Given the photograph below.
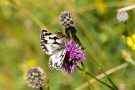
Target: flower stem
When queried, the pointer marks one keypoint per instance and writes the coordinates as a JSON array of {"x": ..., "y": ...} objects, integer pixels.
[
  {"x": 101, "y": 68},
  {"x": 112, "y": 83},
  {"x": 41, "y": 88},
  {"x": 87, "y": 73},
  {"x": 128, "y": 29}
]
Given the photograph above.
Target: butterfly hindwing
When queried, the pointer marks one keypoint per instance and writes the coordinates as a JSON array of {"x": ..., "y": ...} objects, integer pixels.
[{"x": 56, "y": 60}]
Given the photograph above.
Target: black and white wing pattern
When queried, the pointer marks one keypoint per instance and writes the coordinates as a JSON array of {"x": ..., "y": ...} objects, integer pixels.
[
  {"x": 52, "y": 45},
  {"x": 50, "y": 42},
  {"x": 56, "y": 60}
]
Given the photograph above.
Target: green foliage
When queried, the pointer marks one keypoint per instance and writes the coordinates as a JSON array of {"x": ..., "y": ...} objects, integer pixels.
[{"x": 98, "y": 30}]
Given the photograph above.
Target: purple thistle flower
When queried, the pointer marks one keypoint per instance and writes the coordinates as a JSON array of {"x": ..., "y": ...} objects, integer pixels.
[{"x": 74, "y": 54}]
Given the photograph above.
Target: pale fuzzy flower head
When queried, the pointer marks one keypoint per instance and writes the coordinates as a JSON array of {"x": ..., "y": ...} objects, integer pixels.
[
  {"x": 66, "y": 19},
  {"x": 127, "y": 56},
  {"x": 35, "y": 77},
  {"x": 122, "y": 16}
]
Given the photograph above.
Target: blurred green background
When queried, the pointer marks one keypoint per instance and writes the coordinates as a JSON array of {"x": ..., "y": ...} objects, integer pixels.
[{"x": 98, "y": 30}]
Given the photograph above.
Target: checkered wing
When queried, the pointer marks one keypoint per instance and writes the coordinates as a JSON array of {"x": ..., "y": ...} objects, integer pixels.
[
  {"x": 49, "y": 42},
  {"x": 56, "y": 60},
  {"x": 52, "y": 45}
]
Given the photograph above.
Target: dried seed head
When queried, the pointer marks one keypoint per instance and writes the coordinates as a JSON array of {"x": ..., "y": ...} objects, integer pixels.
[
  {"x": 122, "y": 16},
  {"x": 66, "y": 19},
  {"x": 35, "y": 77}
]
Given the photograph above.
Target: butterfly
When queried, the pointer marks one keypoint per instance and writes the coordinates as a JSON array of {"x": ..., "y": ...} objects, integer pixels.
[{"x": 53, "y": 45}]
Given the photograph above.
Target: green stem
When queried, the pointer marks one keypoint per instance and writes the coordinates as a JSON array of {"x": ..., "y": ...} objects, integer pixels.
[
  {"x": 101, "y": 68},
  {"x": 112, "y": 83},
  {"x": 87, "y": 73},
  {"x": 128, "y": 29}
]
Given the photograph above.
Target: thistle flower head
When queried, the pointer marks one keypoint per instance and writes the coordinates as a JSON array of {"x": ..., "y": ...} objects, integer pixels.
[
  {"x": 122, "y": 16},
  {"x": 74, "y": 55},
  {"x": 75, "y": 51},
  {"x": 66, "y": 19},
  {"x": 35, "y": 77}
]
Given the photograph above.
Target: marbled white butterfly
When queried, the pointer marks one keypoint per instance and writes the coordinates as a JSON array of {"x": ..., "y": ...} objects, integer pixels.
[{"x": 52, "y": 45}]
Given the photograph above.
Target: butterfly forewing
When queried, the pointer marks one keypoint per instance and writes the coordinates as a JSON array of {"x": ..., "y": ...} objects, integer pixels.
[{"x": 49, "y": 42}]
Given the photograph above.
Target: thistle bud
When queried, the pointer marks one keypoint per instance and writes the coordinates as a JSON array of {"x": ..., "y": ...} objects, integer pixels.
[
  {"x": 35, "y": 77},
  {"x": 66, "y": 19}
]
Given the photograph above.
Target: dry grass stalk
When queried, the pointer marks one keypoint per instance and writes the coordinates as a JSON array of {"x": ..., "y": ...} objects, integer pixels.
[
  {"x": 100, "y": 76},
  {"x": 127, "y": 8}
]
